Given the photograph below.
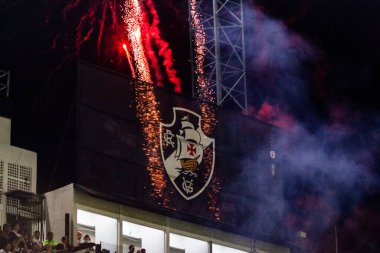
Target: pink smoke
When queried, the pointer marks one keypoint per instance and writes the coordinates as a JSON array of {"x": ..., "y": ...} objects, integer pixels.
[{"x": 273, "y": 115}]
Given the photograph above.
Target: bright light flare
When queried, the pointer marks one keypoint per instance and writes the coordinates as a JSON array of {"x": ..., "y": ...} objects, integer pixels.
[
  {"x": 136, "y": 34},
  {"x": 129, "y": 58}
]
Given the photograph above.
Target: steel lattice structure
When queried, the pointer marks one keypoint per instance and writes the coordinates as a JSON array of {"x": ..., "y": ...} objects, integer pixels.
[
  {"x": 4, "y": 81},
  {"x": 224, "y": 65}
]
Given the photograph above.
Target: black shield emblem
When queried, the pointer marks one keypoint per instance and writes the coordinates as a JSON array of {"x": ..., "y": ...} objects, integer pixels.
[{"x": 187, "y": 153}]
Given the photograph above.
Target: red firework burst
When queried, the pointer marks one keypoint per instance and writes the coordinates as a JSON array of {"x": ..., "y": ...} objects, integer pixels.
[{"x": 133, "y": 23}]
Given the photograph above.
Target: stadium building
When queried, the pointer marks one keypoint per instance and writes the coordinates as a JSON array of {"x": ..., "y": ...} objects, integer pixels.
[{"x": 168, "y": 173}]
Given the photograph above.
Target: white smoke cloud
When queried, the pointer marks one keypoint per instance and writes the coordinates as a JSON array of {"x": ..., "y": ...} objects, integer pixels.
[{"x": 329, "y": 164}]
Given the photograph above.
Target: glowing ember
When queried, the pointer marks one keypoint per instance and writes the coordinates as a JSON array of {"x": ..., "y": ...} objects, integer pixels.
[
  {"x": 200, "y": 51},
  {"x": 205, "y": 94},
  {"x": 146, "y": 104},
  {"x": 149, "y": 117},
  {"x": 133, "y": 20}
]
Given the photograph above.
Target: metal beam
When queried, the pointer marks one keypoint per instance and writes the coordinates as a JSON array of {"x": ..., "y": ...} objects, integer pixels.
[
  {"x": 5, "y": 82},
  {"x": 224, "y": 66}
]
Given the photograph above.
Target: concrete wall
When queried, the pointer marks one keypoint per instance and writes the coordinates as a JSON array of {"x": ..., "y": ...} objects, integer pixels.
[
  {"x": 58, "y": 203},
  {"x": 5, "y": 130}
]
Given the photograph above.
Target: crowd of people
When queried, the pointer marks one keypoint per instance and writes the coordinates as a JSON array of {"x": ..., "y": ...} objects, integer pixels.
[
  {"x": 132, "y": 249},
  {"x": 16, "y": 239}
]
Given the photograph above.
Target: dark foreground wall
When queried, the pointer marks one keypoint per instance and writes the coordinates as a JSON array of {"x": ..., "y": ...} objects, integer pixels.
[{"x": 131, "y": 138}]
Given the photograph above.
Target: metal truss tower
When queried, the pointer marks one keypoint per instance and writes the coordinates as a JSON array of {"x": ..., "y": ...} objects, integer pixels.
[
  {"x": 224, "y": 66},
  {"x": 4, "y": 82}
]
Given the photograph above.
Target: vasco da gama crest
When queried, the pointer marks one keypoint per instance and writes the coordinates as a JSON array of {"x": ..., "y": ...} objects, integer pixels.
[{"x": 187, "y": 153}]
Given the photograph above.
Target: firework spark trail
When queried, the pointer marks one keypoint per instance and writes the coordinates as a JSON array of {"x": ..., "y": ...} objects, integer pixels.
[
  {"x": 101, "y": 25},
  {"x": 80, "y": 38},
  {"x": 207, "y": 109},
  {"x": 112, "y": 6},
  {"x": 139, "y": 46},
  {"x": 200, "y": 52},
  {"x": 72, "y": 5},
  {"x": 205, "y": 94},
  {"x": 163, "y": 46},
  {"x": 89, "y": 21},
  {"x": 146, "y": 103},
  {"x": 129, "y": 58},
  {"x": 150, "y": 52},
  {"x": 133, "y": 20},
  {"x": 208, "y": 112},
  {"x": 141, "y": 34},
  {"x": 81, "y": 33},
  {"x": 149, "y": 116}
]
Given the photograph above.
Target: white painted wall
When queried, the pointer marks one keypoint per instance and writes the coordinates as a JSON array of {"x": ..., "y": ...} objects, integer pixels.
[
  {"x": 190, "y": 245},
  {"x": 153, "y": 240},
  {"x": 59, "y": 202}
]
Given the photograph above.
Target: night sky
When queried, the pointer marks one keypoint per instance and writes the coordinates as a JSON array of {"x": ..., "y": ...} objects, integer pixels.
[{"x": 313, "y": 69}]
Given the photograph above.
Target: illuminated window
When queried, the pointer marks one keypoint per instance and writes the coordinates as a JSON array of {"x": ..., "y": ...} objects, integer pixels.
[
  {"x": 184, "y": 244},
  {"x": 101, "y": 229},
  {"x": 216, "y": 248},
  {"x": 153, "y": 240}
]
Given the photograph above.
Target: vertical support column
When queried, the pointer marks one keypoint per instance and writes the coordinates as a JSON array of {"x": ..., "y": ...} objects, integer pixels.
[
  {"x": 120, "y": 231},
  {"x": 167, "y": 241}
]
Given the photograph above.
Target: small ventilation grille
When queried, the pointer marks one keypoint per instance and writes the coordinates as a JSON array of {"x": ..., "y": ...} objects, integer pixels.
[
  {"x": 1, "y": 180},
  {"x": 19, "y": 178}
]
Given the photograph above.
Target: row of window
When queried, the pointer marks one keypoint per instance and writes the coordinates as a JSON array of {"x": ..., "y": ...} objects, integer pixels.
[{"x": 103, "y": 229}]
